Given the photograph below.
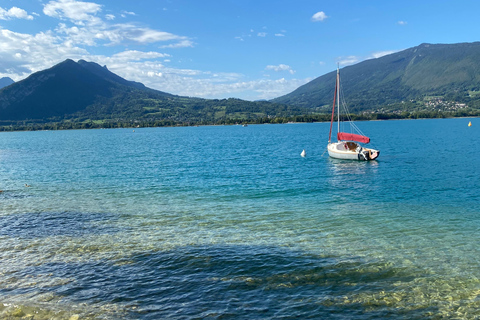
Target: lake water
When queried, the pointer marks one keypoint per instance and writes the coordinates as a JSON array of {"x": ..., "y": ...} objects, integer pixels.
[{"x": 228, "y": 222}]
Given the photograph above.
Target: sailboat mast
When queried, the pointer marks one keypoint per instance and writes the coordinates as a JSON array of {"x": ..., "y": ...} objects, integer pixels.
[
  {"x": 333, "y": 111},
  {"x": 338, "y": 100}
]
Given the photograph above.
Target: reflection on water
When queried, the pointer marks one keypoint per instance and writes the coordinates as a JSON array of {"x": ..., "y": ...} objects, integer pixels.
[
  {"x": 352, "y": 167},
  {"x": 347, "y": 177}
]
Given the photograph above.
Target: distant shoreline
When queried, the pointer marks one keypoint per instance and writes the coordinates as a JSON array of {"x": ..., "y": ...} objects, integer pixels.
[{"x": 134, "y": 124}]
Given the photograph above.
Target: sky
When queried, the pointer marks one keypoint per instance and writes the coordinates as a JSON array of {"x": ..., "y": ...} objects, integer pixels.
[{"x": 217, "y": 49}]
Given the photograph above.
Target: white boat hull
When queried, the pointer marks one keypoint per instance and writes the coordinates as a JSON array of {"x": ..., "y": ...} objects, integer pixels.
[
  {"x": 351, "y": 151},
  {"x": 346, "y": 148}
]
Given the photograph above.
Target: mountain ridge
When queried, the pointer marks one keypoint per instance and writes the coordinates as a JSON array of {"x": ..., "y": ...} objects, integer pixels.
[
  {"x": 86, "y": 91},
  {"x": 413, "y": 73},
  {"x": 66, "y": 88}
]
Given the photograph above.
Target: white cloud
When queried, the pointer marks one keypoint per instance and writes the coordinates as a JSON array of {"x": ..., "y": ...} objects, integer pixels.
[
  {"x": 75, "y": 11},
  {"x": 279, "y": 35},
  {"x": 402, "y": 23},
  {"x": 345, "y": 61},
  {"x": 78, "y": 36},
  {"x": 349, "y": 60},
  {"x": 262, "y": 34},
  {"x": 90, "y": 30},
  {"x": 207, "y": 85},
  {"x": 14, "y": 12},
  {"x": 381, "y": 54},
  {"x": 143, "y": 35},
  {"x": 22, "y": 54},
  {"x": 135, "y": 55},
  {"x": 280, "y": 67},
  {"x": 319, "y": 16},
  {"x": 180, "y": 44}
]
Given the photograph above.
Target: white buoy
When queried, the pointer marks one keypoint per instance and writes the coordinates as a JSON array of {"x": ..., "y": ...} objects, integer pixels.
[{"x": 303, "y": 154}]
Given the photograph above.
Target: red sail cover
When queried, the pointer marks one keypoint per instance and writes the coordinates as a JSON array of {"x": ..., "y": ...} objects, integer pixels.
[{"x": 352, "y": 137}]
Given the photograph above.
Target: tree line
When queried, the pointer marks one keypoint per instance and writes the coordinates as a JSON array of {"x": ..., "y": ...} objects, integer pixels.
[{"x": 305, "y": 118}]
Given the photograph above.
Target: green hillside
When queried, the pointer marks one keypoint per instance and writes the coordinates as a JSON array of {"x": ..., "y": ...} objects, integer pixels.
[
  {"x": 408, "y": 78},
  {"x": 85, "y": 92}
]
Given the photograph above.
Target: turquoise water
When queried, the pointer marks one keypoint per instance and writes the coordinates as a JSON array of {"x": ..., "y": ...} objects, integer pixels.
[{"x": 230, "y": 222}]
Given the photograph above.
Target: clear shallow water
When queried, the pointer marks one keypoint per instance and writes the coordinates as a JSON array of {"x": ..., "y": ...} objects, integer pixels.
[{"x": 230, "y": 222}]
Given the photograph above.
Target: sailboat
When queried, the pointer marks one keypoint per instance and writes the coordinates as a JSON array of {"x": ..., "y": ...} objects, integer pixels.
[{"x": 348, "y": 144}]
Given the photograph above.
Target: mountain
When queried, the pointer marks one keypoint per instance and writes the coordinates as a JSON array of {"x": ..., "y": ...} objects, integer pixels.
[
  {"x": 85, "y": 91},
  {"x": 5, "y": 81},
  {"x": 447, "y": 70},
  {"x": 66, "y": 88}
]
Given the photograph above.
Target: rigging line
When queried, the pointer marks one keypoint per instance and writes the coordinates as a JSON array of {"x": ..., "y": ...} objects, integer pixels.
[
  {"x": 353, "y": 126},
  {"x": 324, "y": 152},
  {"x": 346, "y": 112}
]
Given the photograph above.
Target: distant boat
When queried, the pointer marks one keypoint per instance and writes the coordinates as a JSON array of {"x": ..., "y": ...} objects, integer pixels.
[
  {"x": 470, "y": 124},
  {"x": 303, "y": 154},
  {"x": 245, "y": 125},
  {"x": 347, "y": 146}
]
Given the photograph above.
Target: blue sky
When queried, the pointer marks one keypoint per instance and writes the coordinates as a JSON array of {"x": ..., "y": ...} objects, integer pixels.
[{"x": 225, "y": 48}]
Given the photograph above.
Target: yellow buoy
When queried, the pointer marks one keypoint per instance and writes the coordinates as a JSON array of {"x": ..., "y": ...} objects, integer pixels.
[{"x": 470, "y": 124}]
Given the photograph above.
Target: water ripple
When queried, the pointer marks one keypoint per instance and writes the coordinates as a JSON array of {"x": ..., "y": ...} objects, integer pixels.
[
  {"x": 48, "y": 224},
  {"x": 223, "y": 281}
]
